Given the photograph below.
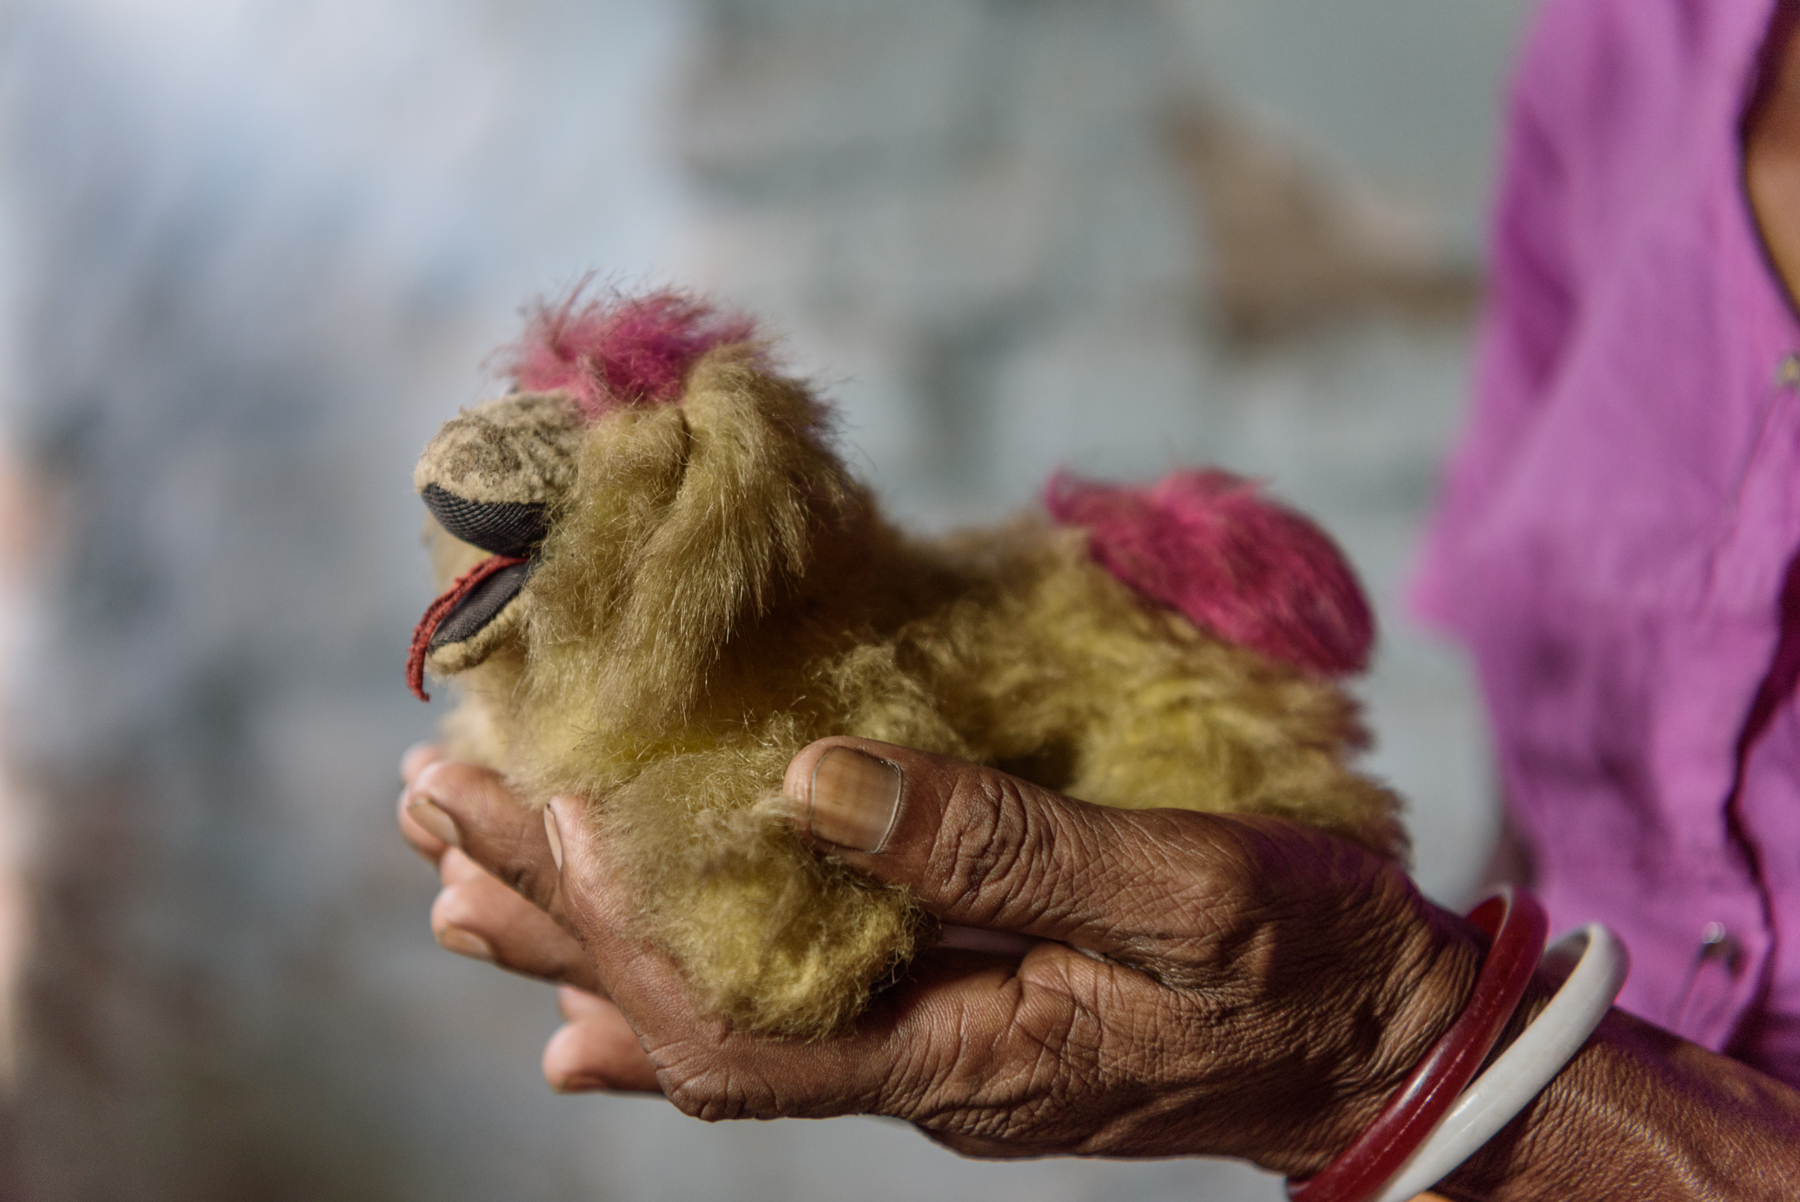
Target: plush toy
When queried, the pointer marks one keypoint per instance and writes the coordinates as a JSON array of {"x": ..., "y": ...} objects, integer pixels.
[{"x": 661, "y": 582}]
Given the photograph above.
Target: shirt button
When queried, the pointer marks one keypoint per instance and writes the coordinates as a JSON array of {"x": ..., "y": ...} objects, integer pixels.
[{"x": 1716, "y": 943}]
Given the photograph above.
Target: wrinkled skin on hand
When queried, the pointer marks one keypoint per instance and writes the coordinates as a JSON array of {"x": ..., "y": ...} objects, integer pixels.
[{"x": 1189, "y": 983}]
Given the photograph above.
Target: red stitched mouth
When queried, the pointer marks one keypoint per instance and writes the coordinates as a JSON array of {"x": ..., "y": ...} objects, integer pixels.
[{"x": 441, "y": 609}]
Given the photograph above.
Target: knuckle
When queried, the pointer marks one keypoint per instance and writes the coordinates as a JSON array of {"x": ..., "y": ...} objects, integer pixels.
[
  {"x": 454, "y": 780},
  {"x": 451, "y": 908},
  {"x": 694, "y": 1098},
  {"x": 566, "y": 964},
  {"x": 917, "y": 1079},
  {"x": 1020, "y": 1091},
  {"x": 703, "y": 1094},
  {"x": 1047, "y": 1023},
  {"x": 999, "y": 846},
  {"x": 703, "y": 1084},
  {"x": 1058, "y": 1049},
  {"x": 525, "y": 879}
]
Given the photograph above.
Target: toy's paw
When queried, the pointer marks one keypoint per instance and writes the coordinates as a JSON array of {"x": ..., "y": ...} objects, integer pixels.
[
  {"x": 776, "y": 939},
  {"x": 1237, "y": 565}
]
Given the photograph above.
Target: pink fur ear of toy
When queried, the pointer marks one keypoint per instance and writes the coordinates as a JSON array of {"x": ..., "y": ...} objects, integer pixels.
[
  {"x": 1208, "y": 545},
  {"x": 615, "y": 351}
]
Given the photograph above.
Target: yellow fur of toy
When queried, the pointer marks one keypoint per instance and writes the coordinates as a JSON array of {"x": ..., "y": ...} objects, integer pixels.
[{"x": 716, "y": 593}]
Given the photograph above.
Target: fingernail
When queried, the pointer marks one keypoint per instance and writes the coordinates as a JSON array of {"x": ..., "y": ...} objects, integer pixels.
[
  {"x": 434, "y": 820},
  {"x": 465, "y": 943},
  {"x": 554, "y": 835},
  {"x": 855, "y": 798}
]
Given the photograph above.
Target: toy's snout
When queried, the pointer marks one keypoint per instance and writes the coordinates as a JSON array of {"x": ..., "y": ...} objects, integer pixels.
[{"x": 491, "y": 478}]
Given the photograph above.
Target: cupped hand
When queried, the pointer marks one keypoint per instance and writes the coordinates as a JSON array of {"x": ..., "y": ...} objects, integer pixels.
[
  {"x": 477, "y": 915},
  {"x": 1198, "y": 984}
]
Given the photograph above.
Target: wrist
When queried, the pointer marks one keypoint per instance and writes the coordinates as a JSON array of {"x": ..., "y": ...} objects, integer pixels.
[
  {"x": 1641, "y": 1113},
  {"x": 1533, "y": 1156},
  {"x": 1432, "y": 967}
]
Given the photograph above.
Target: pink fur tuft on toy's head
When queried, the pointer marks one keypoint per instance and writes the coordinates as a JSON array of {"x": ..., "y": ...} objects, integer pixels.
[
  {"x": 619, "y": 350},
  {"x": 1209, "y": 546}
]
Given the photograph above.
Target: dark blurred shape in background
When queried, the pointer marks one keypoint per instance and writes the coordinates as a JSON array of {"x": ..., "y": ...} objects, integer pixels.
[
  {"x": 1296, "y": 250},
  {"x": 252, "y": 253}
]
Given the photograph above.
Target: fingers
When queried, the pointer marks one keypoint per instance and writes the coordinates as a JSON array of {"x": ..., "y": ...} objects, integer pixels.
[
  {"x": 710, "y": 1071},
  {"x": 499, "y": 863},
  {"x": 983, "y": 849},
  {"x": 966, "y": 1039},
  {"x": 417, "y": 837},
  {"x": 418, "y": 757},
  {"x": 599, "y": 914},
  {"x": 595, "y": 1049},
  {"x": 952, "y": 1031},
  {"x": 477, "y": 916},
  {"x": 471, "y": 808}
]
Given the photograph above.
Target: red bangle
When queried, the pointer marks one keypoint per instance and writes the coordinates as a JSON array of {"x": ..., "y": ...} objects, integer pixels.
[{"x": 1518, "y": 926}]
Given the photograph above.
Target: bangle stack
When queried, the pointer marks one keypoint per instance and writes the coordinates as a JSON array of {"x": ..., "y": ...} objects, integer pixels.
[{"x": 1434, "y": 1123}]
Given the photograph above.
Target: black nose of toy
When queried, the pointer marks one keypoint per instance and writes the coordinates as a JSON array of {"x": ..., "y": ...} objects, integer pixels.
[{"x": 510, "y": 528}]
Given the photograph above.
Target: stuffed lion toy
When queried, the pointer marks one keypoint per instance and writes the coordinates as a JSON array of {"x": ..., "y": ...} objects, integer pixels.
[{"x": 660, "y": 582}]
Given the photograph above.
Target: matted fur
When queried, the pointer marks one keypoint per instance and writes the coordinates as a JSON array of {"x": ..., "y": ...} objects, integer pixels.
[
  {"x": 716, "y": 592},
  {"x": 519, "y": 448}
]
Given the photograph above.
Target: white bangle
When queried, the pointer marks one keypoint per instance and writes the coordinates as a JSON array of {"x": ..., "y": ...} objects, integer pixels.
[{"x": 1526, "y": 1067}]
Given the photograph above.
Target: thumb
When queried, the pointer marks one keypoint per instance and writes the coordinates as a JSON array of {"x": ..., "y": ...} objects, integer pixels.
[{"x": 980, "y": 848}]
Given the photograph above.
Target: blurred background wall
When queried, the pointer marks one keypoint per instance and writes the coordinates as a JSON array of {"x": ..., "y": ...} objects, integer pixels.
[{"x": 251, "y": 254}]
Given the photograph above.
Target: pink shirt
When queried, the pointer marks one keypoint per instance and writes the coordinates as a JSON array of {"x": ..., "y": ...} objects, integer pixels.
[{"x": 1618, "y": 523}]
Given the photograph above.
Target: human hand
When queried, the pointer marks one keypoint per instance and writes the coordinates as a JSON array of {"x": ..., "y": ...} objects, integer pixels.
[
  {"x": 478, "y": 916},
  {"x": 1206, "y": 984}
]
